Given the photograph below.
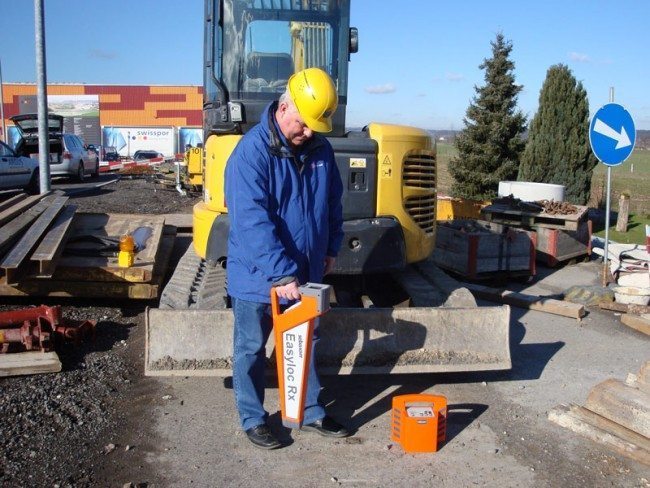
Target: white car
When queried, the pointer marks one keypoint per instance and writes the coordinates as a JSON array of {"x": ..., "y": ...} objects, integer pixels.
[
  {"x": 68, "y": 154},
  {"x": 17, "y": 171}
]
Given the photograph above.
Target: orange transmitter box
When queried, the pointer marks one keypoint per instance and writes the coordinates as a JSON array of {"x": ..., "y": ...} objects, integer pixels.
[{"x": 419, "y": 422}]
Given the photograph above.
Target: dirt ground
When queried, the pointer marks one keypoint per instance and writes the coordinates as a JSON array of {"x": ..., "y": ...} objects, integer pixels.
[
  {"x": 100, "y": 422},
  {"x": 61, "y": 424}
]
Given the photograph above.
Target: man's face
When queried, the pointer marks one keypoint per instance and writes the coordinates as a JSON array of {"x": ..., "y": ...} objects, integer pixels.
[{"x": 292, "y": 125}]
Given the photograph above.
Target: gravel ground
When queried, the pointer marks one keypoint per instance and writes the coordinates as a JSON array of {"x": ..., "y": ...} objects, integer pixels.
[{"x": 57, "y": 428}]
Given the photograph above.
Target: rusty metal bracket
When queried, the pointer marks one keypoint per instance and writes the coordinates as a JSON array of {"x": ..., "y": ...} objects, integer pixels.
[{"x": 38, "y": 329}]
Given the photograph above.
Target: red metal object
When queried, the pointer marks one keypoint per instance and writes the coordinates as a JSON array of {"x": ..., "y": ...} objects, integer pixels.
[
  {"x": 16, "y": 317},
  {"x": 37, "y": 329},
  {"x": 28, "y": 337},
  {"x": 75, "y": 330}
]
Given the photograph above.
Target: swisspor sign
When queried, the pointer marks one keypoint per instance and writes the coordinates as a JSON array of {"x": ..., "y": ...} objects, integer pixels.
[{"x": 612, "y": 134}]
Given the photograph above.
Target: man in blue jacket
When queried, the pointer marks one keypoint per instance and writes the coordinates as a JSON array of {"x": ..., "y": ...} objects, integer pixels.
[{"x": 283, "y": 192}]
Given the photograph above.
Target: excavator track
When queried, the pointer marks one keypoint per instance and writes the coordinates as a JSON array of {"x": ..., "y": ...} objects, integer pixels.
[{"x": 195, "y": 285}]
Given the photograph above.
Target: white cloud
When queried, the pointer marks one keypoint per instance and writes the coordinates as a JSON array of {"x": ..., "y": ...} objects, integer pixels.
[
  {"x": 579, "y": 57},
  {"x": 381, "y": 89},
  {"x": 454, "y": 76}
]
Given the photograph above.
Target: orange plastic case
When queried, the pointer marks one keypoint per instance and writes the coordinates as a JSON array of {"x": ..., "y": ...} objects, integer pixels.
[{"x": 419, "y": 422}]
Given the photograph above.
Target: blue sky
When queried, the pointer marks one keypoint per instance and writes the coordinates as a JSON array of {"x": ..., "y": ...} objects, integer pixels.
[{"x": 417, "y": 63}]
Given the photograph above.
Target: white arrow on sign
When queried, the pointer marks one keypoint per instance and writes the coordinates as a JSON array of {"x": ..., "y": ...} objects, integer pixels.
[{"x": 622, "y": 139}]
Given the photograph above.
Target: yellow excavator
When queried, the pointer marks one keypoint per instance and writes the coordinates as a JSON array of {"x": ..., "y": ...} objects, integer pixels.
[{"x": 252, "y": 47}]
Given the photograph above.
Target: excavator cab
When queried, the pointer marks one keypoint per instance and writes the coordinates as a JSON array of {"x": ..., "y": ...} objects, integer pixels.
[{"x": 254, "y": 46}]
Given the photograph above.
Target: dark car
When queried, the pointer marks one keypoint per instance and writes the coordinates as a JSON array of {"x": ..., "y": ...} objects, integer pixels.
[
  {"x": 147, "y": 154},
  {"x": 111, "y": 154},
  {"x": 93, "y": 151},
  {"x": 68, "y": 154}
]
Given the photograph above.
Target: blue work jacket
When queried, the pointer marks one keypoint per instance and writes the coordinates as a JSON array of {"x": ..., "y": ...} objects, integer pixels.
[{"x": 285, "y": 210}]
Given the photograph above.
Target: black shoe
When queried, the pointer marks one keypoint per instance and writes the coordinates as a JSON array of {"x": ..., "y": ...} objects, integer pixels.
[
  {"x": 262, "y": 437},
  {"x": 327, "y": 427}
]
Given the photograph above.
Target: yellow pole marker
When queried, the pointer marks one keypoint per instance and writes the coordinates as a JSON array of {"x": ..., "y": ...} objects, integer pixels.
[{"x": 126, "y": 255}]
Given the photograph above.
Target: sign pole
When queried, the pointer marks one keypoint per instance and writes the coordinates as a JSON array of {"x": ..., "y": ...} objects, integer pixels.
[
  {"x": 2, "y": 109},
  {"x": 607, "y": 210}
]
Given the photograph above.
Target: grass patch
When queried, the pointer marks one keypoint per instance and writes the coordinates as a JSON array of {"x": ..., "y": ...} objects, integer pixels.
[
  {"x": 445, "y": 153},
  {"x": 635, "y": 230},
  {"x": 633, "y": 177}
]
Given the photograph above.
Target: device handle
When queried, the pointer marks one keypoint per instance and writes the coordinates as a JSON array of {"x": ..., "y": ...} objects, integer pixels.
[{"x": 314, "y": 301}]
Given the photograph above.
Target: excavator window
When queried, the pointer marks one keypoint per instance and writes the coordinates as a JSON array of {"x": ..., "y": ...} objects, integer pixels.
[
  {"x": 274, "y": 50},
  {"x": 257, "y": 45}
]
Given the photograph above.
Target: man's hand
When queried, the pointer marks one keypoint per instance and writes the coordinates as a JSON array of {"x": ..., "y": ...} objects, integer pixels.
[
  {"x": 288, "y": 291},
  {"x": 329, "y": 264}
]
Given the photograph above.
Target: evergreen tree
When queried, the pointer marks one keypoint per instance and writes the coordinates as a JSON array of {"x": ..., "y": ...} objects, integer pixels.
[
  {"x": 490, "y": 145},
  {"x": 558, "y": 149}
]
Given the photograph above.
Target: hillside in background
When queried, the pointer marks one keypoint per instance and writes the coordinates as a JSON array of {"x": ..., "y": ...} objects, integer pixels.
[
  {"x": 448, "y": 136},
  {"x": 642, "y": 137}
]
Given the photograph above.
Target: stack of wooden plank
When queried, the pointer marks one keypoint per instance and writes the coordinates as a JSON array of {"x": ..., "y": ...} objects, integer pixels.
[
  {"x": 616, "y": 414},
  {"x": 559, "y": 237},
  {"x": 36, "y": 257}
]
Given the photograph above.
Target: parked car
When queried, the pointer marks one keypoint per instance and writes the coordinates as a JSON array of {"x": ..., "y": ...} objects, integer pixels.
[
  {"x": 112, "y": 155},
  {"x": 147, "y": 154},
  {"x": 17, "y": 171},
  {"x": 68, "y": 155},
  {"x": 108, "y": 153},
  {"x": 93, "y": 151}
]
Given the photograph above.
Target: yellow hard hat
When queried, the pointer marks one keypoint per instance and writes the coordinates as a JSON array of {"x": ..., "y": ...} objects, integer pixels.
[{"x": 314, "y": 94}]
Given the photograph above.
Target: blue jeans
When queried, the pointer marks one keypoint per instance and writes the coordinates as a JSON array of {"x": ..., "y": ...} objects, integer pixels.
[{"x": 253, "y": 325}]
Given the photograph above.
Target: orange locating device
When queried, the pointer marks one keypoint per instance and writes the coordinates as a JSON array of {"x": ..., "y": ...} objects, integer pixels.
[
  {"x": 419, "y": 422},
  {"x": 293, "y": 331}
]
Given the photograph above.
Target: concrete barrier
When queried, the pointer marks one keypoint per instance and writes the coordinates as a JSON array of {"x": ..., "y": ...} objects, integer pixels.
[{"x": 352, "y": 341}]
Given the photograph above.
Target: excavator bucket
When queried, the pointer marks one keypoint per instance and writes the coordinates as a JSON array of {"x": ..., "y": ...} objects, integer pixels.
[
  {"x": 444, "y": 331},
  {"x": 363, "y": 341}
]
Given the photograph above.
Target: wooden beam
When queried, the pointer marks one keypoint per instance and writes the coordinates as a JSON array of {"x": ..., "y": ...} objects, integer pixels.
[
  {"x": 12, "y": 201},
  {"x": 623, "y": 213},
  {"x": 626, "y": 405},
  {"x": 94, "y": 289},
  {"x": 19, "y": 208},
  {"x": 31, "y": 362},
  {"x": 625, "y": 307},
  {"x": 54, "y": 241},
  {"x": 603, "y": 431},
  {"x": 77, "y": 289},
  {"x": 637, "y": 322},
  {"x": 10, "y": 232},
  {"x": 17, "y": 255},
  {"x": 531, "y": 302}
]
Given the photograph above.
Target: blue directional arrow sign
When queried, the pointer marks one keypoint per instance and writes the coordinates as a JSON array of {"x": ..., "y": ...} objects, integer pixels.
[{"x": 612, "y": 134}]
